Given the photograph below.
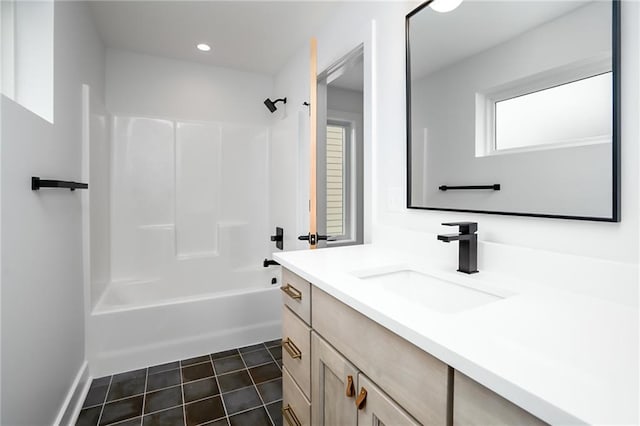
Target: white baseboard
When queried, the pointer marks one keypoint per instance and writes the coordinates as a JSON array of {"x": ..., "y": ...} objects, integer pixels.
[{"x": 72, "y": 404}]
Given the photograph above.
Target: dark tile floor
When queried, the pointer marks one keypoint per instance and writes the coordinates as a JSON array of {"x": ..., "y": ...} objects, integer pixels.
[{"x": 231, "y": 388}]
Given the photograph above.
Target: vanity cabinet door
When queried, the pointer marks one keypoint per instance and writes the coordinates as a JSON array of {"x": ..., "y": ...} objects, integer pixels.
[
  {"x": 333, "y": 386},
  {"x": 375, "y": 408}
]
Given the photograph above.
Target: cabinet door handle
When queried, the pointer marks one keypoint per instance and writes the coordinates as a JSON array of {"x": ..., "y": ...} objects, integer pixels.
[
  {"x": 290, "y": 415},
  {"x": 292, "y": 292},
  {"x": 361, "y": 399},
  {"x": 291, "y": 348},
  {"x": 351, "y": 390}
]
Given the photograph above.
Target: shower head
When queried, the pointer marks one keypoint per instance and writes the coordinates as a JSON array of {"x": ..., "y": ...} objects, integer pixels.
[{"x": 272, "y": 104}]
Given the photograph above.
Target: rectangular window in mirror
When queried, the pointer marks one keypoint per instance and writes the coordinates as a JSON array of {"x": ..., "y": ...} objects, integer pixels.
[
  {"x": 531, "y": 119},
  {"x": 522, "y": 111}
]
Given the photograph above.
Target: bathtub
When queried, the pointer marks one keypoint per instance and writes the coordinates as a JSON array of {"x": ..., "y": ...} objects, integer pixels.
[{"x": 137, "y": 324}]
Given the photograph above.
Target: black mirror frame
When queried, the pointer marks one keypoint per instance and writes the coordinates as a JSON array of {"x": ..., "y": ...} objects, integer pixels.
[{"x": 615, "y": 143}]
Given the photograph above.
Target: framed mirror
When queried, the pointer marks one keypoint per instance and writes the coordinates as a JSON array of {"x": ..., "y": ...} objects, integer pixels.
[{"x": 513, "y": 108}]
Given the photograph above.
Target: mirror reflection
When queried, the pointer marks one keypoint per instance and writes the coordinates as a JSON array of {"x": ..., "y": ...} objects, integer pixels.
[{"x": 517, "y": 96}]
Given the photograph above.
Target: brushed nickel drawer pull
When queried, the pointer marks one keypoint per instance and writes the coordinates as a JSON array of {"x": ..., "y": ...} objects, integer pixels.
[
  {"x": 290, "y": 347},
  {"x": 290, "y": 415},
  {"x": 362, "y": 398},
  {"x": 292, "y": 292},
  {"x": 351, "y": 390}
]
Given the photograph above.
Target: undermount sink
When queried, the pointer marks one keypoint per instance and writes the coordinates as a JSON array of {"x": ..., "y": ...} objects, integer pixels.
[{"x": 427, "y": 291}]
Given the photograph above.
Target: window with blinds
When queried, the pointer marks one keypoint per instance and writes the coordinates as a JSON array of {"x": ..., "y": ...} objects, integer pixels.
[{"x": 336, "y": 179}]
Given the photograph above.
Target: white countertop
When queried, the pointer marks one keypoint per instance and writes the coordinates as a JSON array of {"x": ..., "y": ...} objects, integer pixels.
[{"x": 564, "y": 357}]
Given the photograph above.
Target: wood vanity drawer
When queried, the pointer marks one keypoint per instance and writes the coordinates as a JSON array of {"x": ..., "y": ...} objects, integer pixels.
[
  {"x": 474, "y": 404},
  {"x": 296, "y": 294},
  {"x": 296, "y": 408},
  {"x": 296, "y": 349},
  {"x": 405, "y": 372}
]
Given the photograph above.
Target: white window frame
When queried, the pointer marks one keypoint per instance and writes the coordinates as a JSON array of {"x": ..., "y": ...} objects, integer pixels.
[
  {"x": 486, "y": 101},
  {"x": 27, "y": 54},
  {"x": 7, "y": 47}
]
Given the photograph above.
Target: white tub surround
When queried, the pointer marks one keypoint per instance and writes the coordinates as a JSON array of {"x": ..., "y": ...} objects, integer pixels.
[{"x": 563, "y": 356}]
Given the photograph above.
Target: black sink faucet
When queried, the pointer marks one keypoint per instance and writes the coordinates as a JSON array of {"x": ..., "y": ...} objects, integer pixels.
[{"x": 468, "y": 250}]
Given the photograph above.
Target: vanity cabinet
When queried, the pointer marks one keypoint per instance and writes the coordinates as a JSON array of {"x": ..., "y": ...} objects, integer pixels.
[
  {"x": 342, "y": 368},
  {"x": 331, "y": 354}
]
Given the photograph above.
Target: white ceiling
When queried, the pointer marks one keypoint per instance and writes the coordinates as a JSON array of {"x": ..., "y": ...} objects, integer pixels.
[
  {"x": 257, "y": 36},
  {"x": 440, "y": 39}
]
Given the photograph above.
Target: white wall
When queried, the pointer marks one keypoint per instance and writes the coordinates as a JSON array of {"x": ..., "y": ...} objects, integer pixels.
[
  {"x": 345, "y": 100},
  {"x": 159, "y": 87},
  {"x": 42, "y": 286},
  {"x": 616, "y": 242}
]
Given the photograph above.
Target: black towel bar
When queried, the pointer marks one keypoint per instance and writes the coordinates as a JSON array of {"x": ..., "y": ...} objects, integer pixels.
[
  {"x": 37, "y": 183},
  {"x": 495, "y": 187}
]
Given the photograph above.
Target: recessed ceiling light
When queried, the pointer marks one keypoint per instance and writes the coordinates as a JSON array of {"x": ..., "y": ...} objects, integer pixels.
[
  {"x": 204, "y": 47},
  {"x": 444, "y": 6}
]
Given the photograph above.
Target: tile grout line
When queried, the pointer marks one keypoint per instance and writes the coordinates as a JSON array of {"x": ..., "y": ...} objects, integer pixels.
[
  {"x": 240, "y": 369},
  {"x": 235, "y": 414},
  {"x": 164, "y": 409},
  {"x": 144, "y": 395},
  {"x": 280, "y": 367},
  {"x": 104, "y": 402},
  {"x": 124, "y": 397},
  {"x": 175, "y": 384},
  {"x": 208, "y": 422},
  {"x": 190, "y": 402},
  {"x": 256, "y": 387},
  {"x": 224, "y": 406},
  {"x": 274, "y": 358},
  {"x": 184, "y": 406}
]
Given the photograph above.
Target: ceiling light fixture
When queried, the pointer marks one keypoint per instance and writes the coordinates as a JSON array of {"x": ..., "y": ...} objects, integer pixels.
[
  {"x": 203, "y": 47},
  {"x": 444, "y": 6}
]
